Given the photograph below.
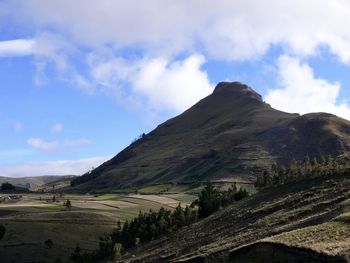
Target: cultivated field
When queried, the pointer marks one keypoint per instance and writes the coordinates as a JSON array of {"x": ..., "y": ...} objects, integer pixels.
[{"x": 33, "y": 219}]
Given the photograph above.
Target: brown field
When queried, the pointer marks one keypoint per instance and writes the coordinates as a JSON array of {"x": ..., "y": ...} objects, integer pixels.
[{"x": 34, "y": 218}]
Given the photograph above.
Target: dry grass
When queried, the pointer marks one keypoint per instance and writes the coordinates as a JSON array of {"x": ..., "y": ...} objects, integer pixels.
[
  {"x": 331, "y": 238},
  {"x": 167, "y": 201}
]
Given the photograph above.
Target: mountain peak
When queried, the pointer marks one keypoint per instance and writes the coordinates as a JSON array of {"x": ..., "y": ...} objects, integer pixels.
[{"x": 237, "y": 89}]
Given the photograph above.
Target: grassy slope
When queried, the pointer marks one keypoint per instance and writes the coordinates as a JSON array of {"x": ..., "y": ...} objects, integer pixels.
[{"x": 268, "y": 213}]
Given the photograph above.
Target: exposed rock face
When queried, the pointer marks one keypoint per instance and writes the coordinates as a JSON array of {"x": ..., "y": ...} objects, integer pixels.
[{"x": 230, "y": 135}]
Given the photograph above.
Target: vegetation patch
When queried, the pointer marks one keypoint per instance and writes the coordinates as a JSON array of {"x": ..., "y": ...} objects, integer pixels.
[{"x": 331, "y": 238}]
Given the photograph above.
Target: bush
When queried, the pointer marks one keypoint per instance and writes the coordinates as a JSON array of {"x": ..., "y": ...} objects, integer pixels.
[
  {"x": 48, "y": 243},
  {"x": 2, "y": 231},
  {"x": 7, "y": 186}
]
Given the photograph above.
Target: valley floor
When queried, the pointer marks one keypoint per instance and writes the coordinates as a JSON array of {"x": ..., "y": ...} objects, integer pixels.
[{"x": 33, "y": 219}]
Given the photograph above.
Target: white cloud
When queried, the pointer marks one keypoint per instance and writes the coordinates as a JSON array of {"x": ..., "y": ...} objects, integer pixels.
[
  {"x": 164, "y": 84},
  {"x": 63, "y": 167},
  {"x": 176, "y": 85},
  {"x": 17, "y": 47},
  {"x": 48, "y": 49},
  {"x": 300, "y": 91},
  {"x": 224, "y": 29},
  {"x": 163, "y": 31},
  {"x": 40, "y": 144},
  {"x": 57, "y": 127},
  {"x": 52, "y": 146}
]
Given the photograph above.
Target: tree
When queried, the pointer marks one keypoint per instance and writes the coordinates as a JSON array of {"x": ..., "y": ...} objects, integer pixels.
[
  {"x": 76, "y": 256},
  {"x": 242, "y": 193},
  {"x": 68, "y": 204},
  {"x": 208, "y": 201},
  {"x": 179, "y": 216},
  {"x": 2, "y": 231},
  {"x": 48, "y": 243},
  {"x": 7, "y": 186}
]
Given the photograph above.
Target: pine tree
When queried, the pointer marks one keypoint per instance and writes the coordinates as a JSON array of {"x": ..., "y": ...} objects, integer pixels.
[
  {"x": 2, "y": 231},
  {"x": 208, "y": 201}
]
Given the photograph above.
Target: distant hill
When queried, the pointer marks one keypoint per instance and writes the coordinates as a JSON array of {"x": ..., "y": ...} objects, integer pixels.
[
  {"x": 231, "y": 135},
  {"x": 46, "y": 182}
]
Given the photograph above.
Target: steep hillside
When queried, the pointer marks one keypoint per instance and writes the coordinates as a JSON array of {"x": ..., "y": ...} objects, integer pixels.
[
  {"x": 295, "y": 222},
  {"x": 230, "y": 135}
]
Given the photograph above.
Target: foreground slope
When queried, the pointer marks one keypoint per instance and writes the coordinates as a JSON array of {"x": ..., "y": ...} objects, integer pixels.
[
  {"x": 230, "y": 135},
  {"x": 252, "y": 226}
]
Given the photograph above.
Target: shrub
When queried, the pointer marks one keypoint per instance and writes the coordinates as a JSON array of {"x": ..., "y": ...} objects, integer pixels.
[{"x": 2, "y": 231}]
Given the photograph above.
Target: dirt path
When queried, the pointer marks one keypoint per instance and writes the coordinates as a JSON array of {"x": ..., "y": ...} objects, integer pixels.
[{"x": 158, "y": 199}]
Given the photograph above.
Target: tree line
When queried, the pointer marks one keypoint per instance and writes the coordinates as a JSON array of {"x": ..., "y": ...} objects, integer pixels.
[
  {"x": 307, "y": 168},
  {"x": 155, "y": 224},
  {"x": 212, "y": 199},
  {"x": 7, "y": 186},
  {"x": 145, "y": 227}
]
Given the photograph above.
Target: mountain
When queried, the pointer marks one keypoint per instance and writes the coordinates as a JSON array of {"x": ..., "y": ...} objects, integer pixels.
[{"x": 231, "y": 135}]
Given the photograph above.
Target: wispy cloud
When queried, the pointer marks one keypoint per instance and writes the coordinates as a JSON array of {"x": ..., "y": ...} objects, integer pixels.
[
  {"x": 17, "y": 47},
  {"x": 17, "y": 126},
  {"x": 62, "y": 167},
  {"x": 40, "y": 144},
  {"x": 57, "y": 127},
  {"x": 52, "y": 146}
]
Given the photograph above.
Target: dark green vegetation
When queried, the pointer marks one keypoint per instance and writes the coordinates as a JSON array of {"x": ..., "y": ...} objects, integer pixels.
[
  {"x": 7, "y": 186},
  {"x": 301, "y": 205},
  {"x": 211, "y": 199},
  {"x": 307, "y": 168},
  {"x": 231, "y": 135},
  {"x": 2, "y": 231}
]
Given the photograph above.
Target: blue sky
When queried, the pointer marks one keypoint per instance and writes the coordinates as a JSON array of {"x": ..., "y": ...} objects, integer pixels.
[{"x": 81, "y": 79}]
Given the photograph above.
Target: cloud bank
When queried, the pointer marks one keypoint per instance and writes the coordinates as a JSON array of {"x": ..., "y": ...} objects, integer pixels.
[{"x": 224, "y": 29}]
